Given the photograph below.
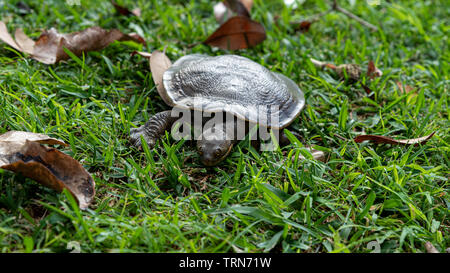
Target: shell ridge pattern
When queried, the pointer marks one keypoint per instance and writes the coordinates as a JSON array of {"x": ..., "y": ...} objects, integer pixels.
[{"x": 231, "y": 83}]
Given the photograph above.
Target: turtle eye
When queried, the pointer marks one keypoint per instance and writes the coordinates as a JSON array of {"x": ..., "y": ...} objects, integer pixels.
[
  {"x": 200, "y": 150},
  {"x": 217, "y": 152}
]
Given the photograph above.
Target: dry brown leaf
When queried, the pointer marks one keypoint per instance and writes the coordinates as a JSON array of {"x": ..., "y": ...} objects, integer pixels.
[
  {"x": 125, "y": 11},
  {"x": 49, "y": 46},
  {"x": 353, "y": 71},
  {"x": 6, "y": 37},
  {"x": 22, "y": 152},
  {"x": 404, "y": 88},
  {"x": 238, "y": 7},
  {"x": 137, "y": 12},
  {"x": 24, "y": 42},
  {"x": 373, "y": 71},
  {"x": 224, "y": 10},
  {"x": 21, "y": 137},
  {"x": 430, "y": 248},
  {"x": 317, "y": 63},
  {"x": 388, "y": 140},
  {"x": 248, "y": 4},
  {"x": 142, "y": 53},
  {"x": 303, "y": 26},
  {"x": 221, "y": 12},
  {"x": 317, "y": 155},
  {"x": 238, "y": 32},
  {"x": 159, "y": 63}
]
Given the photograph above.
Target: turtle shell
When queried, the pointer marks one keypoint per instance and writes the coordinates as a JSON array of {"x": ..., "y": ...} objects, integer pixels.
[{"x": 233, "y": 84}]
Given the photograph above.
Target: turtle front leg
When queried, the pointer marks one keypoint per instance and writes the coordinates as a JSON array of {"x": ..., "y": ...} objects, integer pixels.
[{"x": 153, "y": 129}]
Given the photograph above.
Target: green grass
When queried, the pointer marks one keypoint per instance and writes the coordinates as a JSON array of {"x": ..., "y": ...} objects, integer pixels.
[{"x": 164, "y": 200}]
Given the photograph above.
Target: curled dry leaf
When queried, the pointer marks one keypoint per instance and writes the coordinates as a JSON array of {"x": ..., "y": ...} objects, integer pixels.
[
  {"x": 239, "y": 7},
  {"x": 373, "y": 71},
  {"x": 6, "y": 37},
  {"x": 303, "y": 26},
  {"x": 353, "y": 71},
  {"x": 21, "y": 137},
  {"x": 125, "y": 11},
  {"x": 143, "y": 54},
  {"x": 404, "y": 88},
  {"x": 159, "y": 63},
  {"x": 22, "y": 152},
  {"x": 430, "y": 248},
  {"x": 316, "y": 154},
  {"x": 49, "y": 46},
  {"x": 225, "y": 9},
  {"x": 317, "y": 63},
  {"x": 248, "y": 4},
  {"x": 238, "y": 32},
  {"x": 221, "y": 12},
  {"x": 388, "y": 140}
]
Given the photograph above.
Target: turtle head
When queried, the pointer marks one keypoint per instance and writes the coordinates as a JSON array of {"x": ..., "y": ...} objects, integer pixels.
[{"x": 213, "y": 146}]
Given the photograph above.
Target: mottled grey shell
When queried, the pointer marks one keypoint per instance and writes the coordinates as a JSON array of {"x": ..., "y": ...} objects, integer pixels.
[{"x": 236, "y": 85}]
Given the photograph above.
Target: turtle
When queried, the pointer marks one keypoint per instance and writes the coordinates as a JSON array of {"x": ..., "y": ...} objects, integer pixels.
[{"x": 227, "y": 84}]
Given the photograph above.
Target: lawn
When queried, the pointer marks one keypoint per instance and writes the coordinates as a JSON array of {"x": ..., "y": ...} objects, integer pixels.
[{"x": 365, "y": 197}]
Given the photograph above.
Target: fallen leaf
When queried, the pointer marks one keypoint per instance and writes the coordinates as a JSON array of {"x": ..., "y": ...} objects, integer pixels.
[
  {"x": 373, "y": 71},
  {"x": 49, "y": 46},
  {"x": 316, "y": 154},
  {"x": 303, "y": 26},
  {"x": 238, "y": 32},
  {"x": 143, "y": 54},
  {"x": 404, "y": 88},
  {"x": 238, "y": 7},
  {"x": 353, "y": 71},
  {"x": 24, "y": 42},
  {"x": 388, "y": 140},
  {"x": 21, "y": 137},
  {"x": 430, "y": 248},
  {"x": 159, "y": 63},
  {"x": 248, "y": 4},
  {"x": 23, "y": 152},
  {"x": 224, "y": 10},
  {"x": 125, "y": 11},
  {"x": 318, "y": 63},
  {"x": 6, "y": 37},
  {"x": 221, "y": 12}
]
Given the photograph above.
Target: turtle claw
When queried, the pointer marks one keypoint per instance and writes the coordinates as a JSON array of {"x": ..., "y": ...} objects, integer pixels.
[{"x": 135, "y": 137}]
